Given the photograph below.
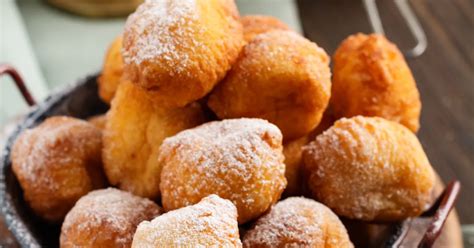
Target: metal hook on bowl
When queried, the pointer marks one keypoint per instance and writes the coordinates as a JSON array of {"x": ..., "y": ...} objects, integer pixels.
[
  {"x": 440, "y": 211},
  {"x": 20, "y": 84},
  {"x": 411, "y": 20},
  {"x": 427, "y": 227}
]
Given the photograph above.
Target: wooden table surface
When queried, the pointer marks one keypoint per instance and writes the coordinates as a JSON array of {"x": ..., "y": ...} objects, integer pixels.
[{"x": 444, "y": 74}]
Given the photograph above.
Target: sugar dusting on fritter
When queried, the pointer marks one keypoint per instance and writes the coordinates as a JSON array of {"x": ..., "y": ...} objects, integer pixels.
[
  {"x": 368, "y": 149},
  {"x": 290, "y": 219},
  {"x": 45, "y": 145},
  {"x": 298, "y": 222},
  {"x": 118, "y": 212},
  {"x": 356, "y": 142},
  {"x": 163, "y": 28},
  {"x": 213, "y": 221},
  {"x": 235, "y": 150}
]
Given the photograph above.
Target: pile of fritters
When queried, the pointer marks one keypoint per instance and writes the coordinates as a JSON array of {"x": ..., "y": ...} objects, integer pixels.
[{"x": 215, "y": 117}]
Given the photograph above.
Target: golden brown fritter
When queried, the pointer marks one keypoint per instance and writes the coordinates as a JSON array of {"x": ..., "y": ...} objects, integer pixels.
[
  {"x": 371, "y": 169},
  {"x": 240, "y": 160},
  {"x": 112, "y": 71},
  {"x": 135, "y": 128},
  {"x": 371, "y": 78},
  {"x": 210, "y": 223},
  {"x": 179, "y": 50},
  {"x": 98, "y": 121},
  {"x": 281, "y": 77},
  {"x": 293, "y": 152},
  {"x": 298, "y": 222},
  {"x": 56, "y": 163},
  {"x": 259, "y": 24},
  {"x": 106, "y": 218}
]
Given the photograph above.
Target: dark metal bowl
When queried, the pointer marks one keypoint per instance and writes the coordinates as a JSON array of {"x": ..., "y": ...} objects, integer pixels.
[{"x": 81, "y": 101}]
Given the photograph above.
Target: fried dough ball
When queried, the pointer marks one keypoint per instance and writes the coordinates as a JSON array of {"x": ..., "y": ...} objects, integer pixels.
[
  {"x": 281, "y": 77},
  {"x": 293, "y": 152},
  {"x": 372, "y": 78},
  {"x": 298, "y": 222},
  {"x": 112, "y": 71},
  {"x": 239, "y": 159},
  {"x": 135, "y": 128},
  {"x": 179, "y": 50},
  {"x": 210, "y": 223},
  {"x": 371, "y": 169},
  {"x": 259, "y": 24},
  {"x": 98, "y": 121},
  {"x": 56, "y": 163},
  {"x": 106, "y": 218}
]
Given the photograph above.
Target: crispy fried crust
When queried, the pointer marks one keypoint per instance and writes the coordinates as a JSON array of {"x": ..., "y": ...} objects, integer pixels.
[
  {"x": 240, "y": 160},
  {"x": 56, "y": 163},
  {"x": 135, "y": 128},
  {"x": 298, "y": 222},
  {"x": 112, "y": 71},
  {"x": 281, "y": 77},
  {"x": 372, "y": 78},
  {"x": 259, "y": 24},
  {"x": 178, "y": 50},
  {"x": 106, "y": 218},
  {"x": 371, "y": 169}
]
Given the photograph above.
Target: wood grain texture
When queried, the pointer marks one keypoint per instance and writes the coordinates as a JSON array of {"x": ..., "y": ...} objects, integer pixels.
[{"x": 444, "y": 74}]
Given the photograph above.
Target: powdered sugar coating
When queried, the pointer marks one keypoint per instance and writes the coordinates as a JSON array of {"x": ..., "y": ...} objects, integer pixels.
[
  {"x": 298, "y": 222},
  {"x": 180, "y": 49},
  {"x": 106, "y": 218},
  {"x": 162, "y": 26},
  {"x": 237, "y": 159},
  {"x": 210, "y": 223},
  {"x": 56, "y": 163},
  {"x": 369, "y": 168}
]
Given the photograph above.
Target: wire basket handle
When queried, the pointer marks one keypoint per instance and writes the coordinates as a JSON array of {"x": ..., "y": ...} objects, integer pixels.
[
  {"x": 440, "y": 211},
  {"x": 411, "y": 20},
  {"x": 20, "y": 84}
]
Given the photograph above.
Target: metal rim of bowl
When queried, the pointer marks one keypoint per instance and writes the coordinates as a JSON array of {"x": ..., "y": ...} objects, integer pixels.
[{"x": 12, "y": 217}]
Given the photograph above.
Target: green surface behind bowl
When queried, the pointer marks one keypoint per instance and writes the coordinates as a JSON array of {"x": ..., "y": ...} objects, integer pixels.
[{"x": 66, "y": 47}]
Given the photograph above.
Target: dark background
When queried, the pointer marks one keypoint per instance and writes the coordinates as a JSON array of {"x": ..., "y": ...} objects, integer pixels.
[{"x": 444, "y": 74}]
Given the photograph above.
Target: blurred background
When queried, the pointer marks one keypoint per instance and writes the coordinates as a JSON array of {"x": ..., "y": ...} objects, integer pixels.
[{"x": 55, "y": 42}]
